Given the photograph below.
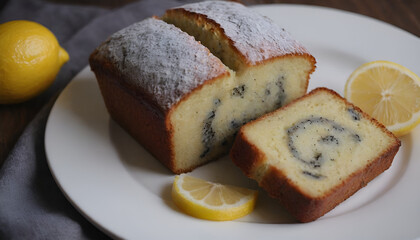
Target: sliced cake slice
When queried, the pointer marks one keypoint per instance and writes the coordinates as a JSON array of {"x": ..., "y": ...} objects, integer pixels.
[{"x": 314, "y": 153}]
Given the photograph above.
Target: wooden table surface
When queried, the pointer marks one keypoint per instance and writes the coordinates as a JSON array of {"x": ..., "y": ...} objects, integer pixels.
[{"x": 404, "y": 14}]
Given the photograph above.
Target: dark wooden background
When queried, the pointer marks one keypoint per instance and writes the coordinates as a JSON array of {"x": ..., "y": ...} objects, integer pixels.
[{"x": 404, "y": 14}]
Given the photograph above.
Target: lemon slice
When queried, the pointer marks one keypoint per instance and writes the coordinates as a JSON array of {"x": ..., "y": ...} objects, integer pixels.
[
  {"x": 212, "y": 201},
  {"x": 388, "y": 92}
]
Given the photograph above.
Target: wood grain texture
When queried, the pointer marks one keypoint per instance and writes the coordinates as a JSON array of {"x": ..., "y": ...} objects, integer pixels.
[{"x": 404, "y": 14}]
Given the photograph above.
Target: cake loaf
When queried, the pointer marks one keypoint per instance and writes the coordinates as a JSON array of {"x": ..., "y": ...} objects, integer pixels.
[
  {"x": 183, "y": 99},
  {"x": 314, "y": 153}
]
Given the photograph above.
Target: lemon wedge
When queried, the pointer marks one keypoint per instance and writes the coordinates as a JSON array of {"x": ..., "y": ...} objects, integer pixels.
[
  {"x": 388, "y": 92},
  {"x": 212, "y": 201}
]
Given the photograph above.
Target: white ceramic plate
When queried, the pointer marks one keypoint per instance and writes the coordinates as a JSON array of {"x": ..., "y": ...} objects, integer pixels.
[{"x": 119, "y": 187}]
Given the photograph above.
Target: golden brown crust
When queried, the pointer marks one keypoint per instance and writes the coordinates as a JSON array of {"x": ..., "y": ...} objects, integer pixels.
[
  {"x": 303, "y": 207},
  {"x": 138, "y": 116},
  {"x": 246, "y": 155},
  {"x": 142, "y": 117}
]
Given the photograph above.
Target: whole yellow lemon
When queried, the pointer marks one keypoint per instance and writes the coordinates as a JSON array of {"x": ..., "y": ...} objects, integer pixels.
[{"x": 30, "y": 58}]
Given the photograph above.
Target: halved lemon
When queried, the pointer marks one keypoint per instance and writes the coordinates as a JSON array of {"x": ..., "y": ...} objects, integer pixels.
[
  {"x": 212, "y": 201},
  {"x": 388, "y": 92}
]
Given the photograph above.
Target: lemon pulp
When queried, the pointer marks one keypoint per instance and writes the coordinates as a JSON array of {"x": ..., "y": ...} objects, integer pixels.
[{"x": 388, "y": 92}]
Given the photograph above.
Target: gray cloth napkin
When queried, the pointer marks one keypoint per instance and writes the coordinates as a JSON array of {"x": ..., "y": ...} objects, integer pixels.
[{"x": 31, "y": 204}]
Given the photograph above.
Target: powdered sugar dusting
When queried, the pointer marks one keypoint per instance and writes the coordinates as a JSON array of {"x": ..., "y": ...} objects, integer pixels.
[
  {"x": 161, "y": 59},
  {"x": 256, "y": 37}
]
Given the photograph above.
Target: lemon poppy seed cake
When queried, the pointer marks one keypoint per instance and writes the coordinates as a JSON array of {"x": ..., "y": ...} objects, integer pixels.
[
  {"x": 314, "y": 153},
  {"x": 183, "y": 99}
]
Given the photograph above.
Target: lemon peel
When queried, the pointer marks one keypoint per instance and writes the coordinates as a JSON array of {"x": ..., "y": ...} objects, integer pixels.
[
  {"x": 30, "y": 59},
  {"x": 212, "y": 201}
]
